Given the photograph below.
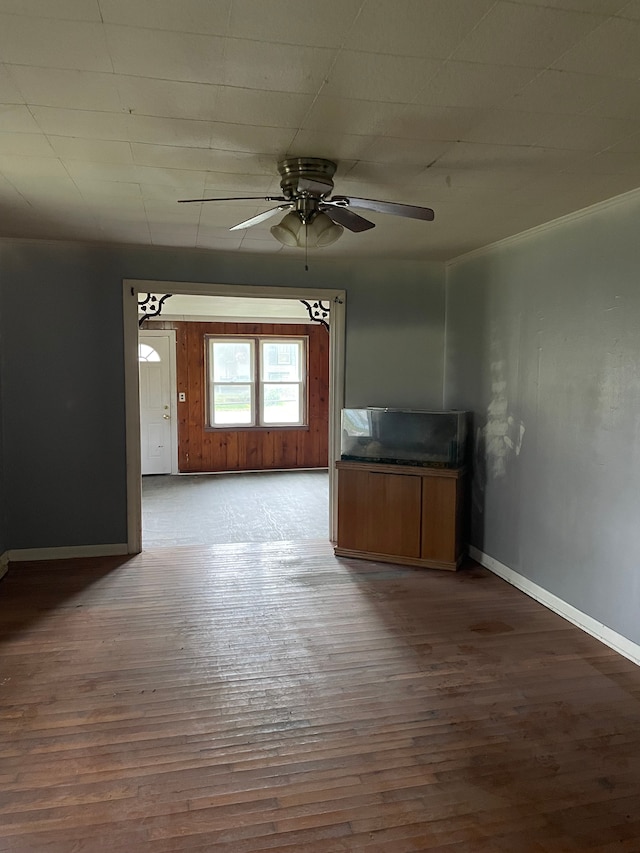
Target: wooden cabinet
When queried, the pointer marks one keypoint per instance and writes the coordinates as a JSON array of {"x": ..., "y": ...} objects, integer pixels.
[{"x": 400, "y": 514}]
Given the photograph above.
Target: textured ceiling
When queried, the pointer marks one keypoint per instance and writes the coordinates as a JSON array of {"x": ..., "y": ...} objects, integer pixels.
[{"x": 499, "y": 115}]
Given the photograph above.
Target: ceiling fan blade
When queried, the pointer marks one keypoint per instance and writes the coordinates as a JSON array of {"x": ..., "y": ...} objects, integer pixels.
[
  {"x": 409, "y": 210},
  {"x": 343, "y": 216},
  {"x": 261, "y": 217},
  {"x": 235, "y": 198}
]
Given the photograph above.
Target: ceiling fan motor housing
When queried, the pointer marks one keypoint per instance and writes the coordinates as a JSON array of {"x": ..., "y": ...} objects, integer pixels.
[{"x": 306, "y": 176}]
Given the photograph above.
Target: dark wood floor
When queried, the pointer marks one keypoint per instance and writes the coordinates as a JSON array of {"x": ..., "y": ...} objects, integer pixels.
[{"x": 270, "y": 697}]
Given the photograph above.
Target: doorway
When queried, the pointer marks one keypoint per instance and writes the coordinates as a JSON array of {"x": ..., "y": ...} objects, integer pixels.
[
  {"x": 131, "y": 289},
  {"x": 158, "y": 421}
]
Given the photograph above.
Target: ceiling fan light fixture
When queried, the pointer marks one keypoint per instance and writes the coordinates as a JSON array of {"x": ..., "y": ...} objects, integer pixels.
[
  {"x": 323, "y": 231},
  {"x": 288, "y": 230}
]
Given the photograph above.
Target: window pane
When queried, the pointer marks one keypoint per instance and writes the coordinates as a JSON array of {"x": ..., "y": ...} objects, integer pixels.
[
  {"x": 232, "y": 404},
  {"x": 281, "y": 361},
  {"x": 232, "y": 361},
  {"x": 281, "y": 404},
  {"x": 147, "y": 353}
]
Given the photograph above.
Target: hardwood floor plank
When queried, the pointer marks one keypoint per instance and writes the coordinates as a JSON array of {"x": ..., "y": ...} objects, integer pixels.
[{"x": 271, "y": 697}]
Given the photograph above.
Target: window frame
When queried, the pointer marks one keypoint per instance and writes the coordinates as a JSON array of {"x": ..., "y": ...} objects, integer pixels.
[{"x": 257, "y": 399}]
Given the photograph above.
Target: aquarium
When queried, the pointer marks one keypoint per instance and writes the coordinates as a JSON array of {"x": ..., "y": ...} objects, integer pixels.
[{"x": 404, "y": 437}]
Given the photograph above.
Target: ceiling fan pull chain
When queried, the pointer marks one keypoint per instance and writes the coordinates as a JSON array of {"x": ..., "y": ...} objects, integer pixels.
[{"x": 306, "y": 247}]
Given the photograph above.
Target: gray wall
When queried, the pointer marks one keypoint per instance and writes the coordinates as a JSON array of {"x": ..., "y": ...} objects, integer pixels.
[
  {"x": 3, "y": 487},
  {"x": 63, "y": 357},
  {"x": 543, "y": 345}
]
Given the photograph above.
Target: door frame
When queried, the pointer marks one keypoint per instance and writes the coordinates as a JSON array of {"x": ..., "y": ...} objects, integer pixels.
[
  {"x": 173, "y": 387},
  {"x": 130, "y": 290}
]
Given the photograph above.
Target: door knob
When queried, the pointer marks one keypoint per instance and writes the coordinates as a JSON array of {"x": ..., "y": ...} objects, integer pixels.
[{"x": 167, "y": 417}]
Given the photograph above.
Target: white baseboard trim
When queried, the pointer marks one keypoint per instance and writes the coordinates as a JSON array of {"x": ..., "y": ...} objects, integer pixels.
[
  {"x": 21, "y": 555},
  {"x": 601, "y": 632},
  {"x": 4, "y": 563}
]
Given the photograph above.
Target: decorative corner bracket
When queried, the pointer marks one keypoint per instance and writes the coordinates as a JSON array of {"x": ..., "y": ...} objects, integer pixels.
[
  {"x": 151, "y": 305},
  {"x": 318, "y": 311}
]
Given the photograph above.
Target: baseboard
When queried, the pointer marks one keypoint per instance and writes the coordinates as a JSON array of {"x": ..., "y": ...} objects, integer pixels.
[
  {"x": 601, "y": 632},
  {"x": 4, "y": 563},
  {"x": 21, "y": 555}
]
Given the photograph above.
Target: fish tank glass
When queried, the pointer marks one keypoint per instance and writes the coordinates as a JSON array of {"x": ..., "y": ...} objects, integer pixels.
[{"x": 404, "y": 437}]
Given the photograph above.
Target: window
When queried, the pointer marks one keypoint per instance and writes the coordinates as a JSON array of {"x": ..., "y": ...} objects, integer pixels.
[
  {"x": 147, "y": 353},
  {"x": 256, "y": 382}
]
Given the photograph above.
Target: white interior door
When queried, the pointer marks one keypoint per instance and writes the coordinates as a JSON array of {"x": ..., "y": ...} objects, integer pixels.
[{"x": 156, "y": 394}]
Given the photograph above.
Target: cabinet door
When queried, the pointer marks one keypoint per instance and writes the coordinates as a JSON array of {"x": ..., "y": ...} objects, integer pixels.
[
  {"x": 440, "y": 518},
  {"x": 379, "y": 512}
]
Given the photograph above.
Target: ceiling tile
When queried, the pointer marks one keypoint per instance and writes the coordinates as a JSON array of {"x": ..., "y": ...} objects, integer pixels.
[
  {"x": 563, "y": 92},
  {"x": 420, "y": 121},
  {"x": 617, "y": 38},
  {"x": 179, "y": 178},
  {"x": 333, "y": 146},
  {"x": 405, "y": 151},
  {"x": 623, "y": 102},
  {"x": 167, "y": 55},
  {"x": 610, "y": 162},
  {"x": 509, "y": 127},
  {"x": 15, "y": 118},
  {"x": 52, "y": 43},
  {"x": 168, "y": 156},
  {"x": 416, "y": 28},
  {"x": 227, "y": 214},
  {"x": 81, "y": 123},
  {"x": 243, "y": 137},
  {"x": 113, "y": 231},
  {"x": 373, "y": 77},
  {"x": 9, "y": 92},
  {"x": 188, "y": 16},
  {"x": 27, "y": 144},
  {"x": 98, "y": 189},
  {"x": 471, "y": 84},
  {"x": 631, "y": 10},
  {"x": 276, "y": 67},
  {"x": 13, "y": 165},
  {"x": 598, "y": 7},
  {"x": 223, "y": 244},
  {"x": 346, "y": 115},
  {"x": 466, "y": 155},
  {"x": 586, "y": 133},
  {"x": 628, "y": 144},
  {"x": 292, "y": 22},
  {"x": 54, "y": 87},
  {"x": 251, "y": 244},
  {"x": 382, "y": 180},
  {"x": 91, "y": 150},
  {"x": 226, "y": 184},
  {"x": 261, "y": 108},
  {"x": 169, "y": 131},
  {"x": 131, "y": 207},
  {"x": 531, "y": 36},
  {"x": 206, "y": 159},
  {"x": 83, "y": 170},
  {"x": 166, "y": 194},
  {"x": 173, "y": 235},
  {"x": 72, "y": 10}
]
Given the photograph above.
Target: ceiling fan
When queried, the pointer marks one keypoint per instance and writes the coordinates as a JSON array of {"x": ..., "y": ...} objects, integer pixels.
[{"x": 315, "y": 217}]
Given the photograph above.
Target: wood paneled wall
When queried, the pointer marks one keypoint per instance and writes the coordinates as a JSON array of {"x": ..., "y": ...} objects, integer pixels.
[{"x": 201, "y": 449}]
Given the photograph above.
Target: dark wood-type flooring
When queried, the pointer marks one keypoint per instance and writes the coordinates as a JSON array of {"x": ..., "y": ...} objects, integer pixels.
[{"x": 273, "y": 698}]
